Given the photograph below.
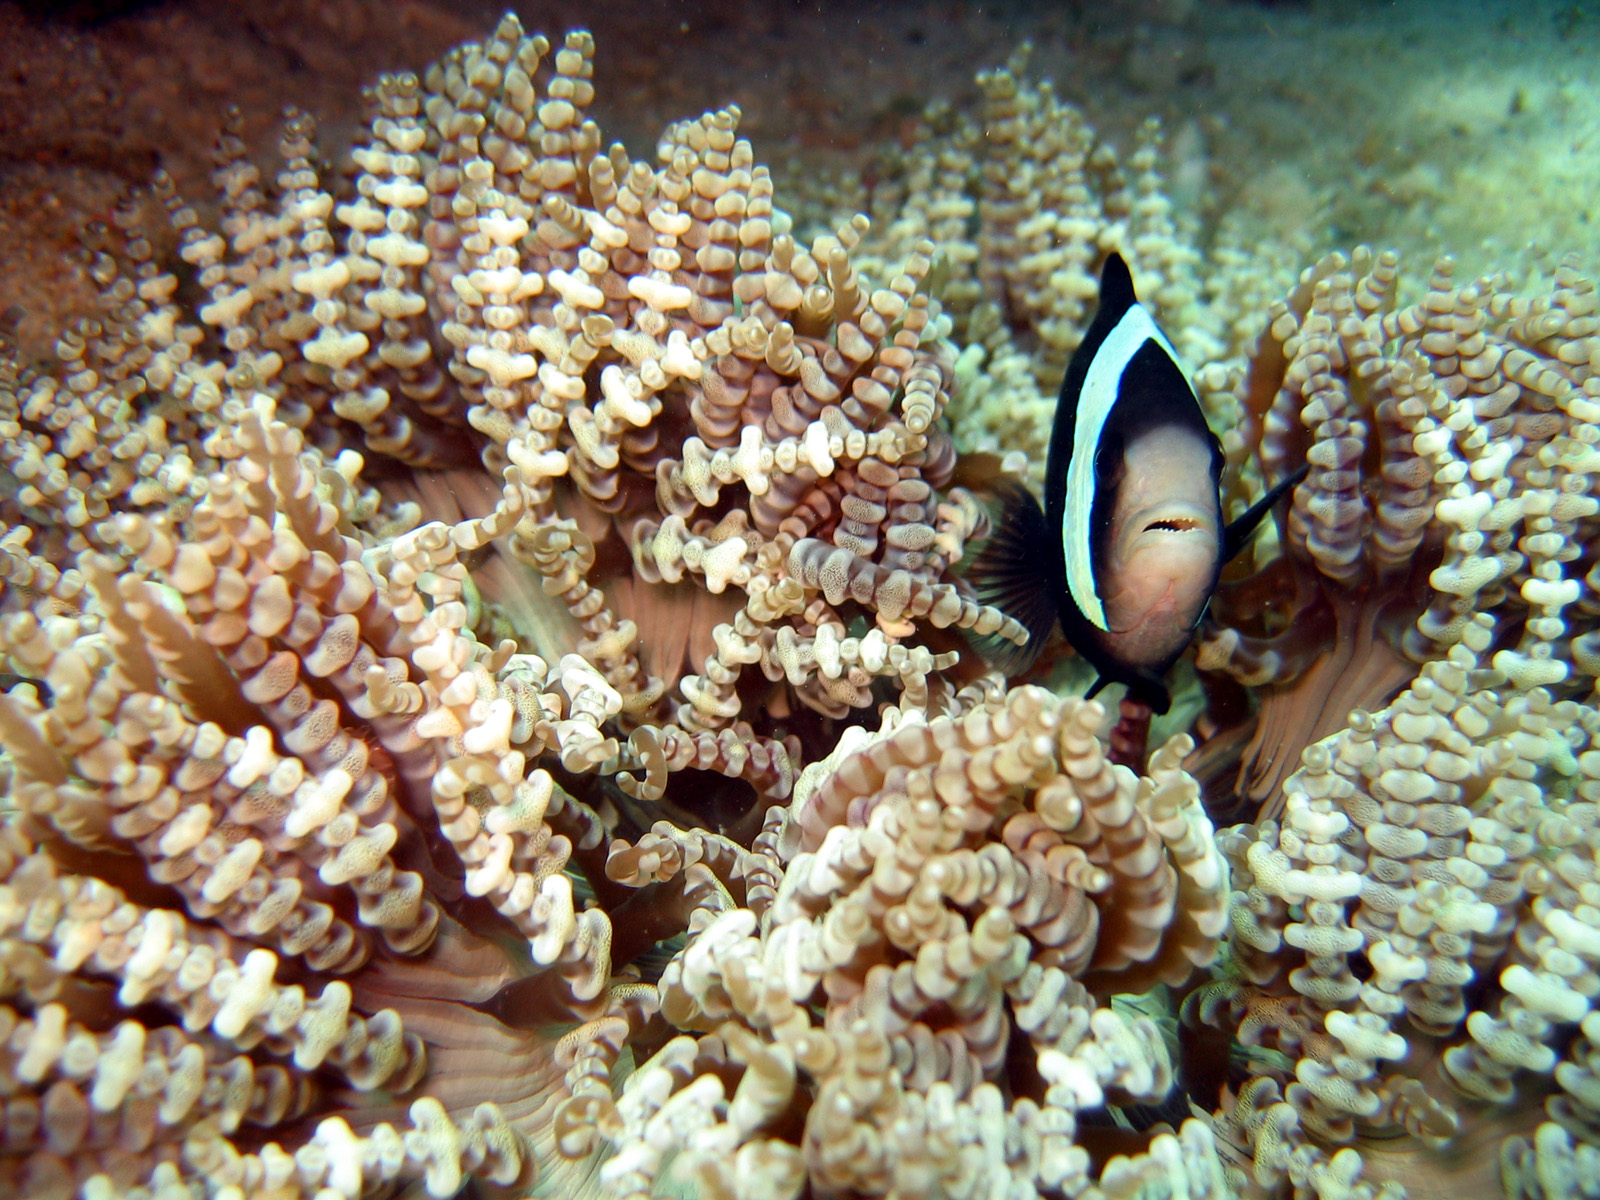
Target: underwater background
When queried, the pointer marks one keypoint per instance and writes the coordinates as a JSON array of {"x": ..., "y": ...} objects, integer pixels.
[
  {"x": 1464, "y": 128},
  {"x": 493, "y": 701}
]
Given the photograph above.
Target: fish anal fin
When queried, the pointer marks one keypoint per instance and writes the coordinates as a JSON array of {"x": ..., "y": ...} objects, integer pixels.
[
  {"x": 1237, "y": 535},
  {"x": 1142, "y": 686},
  {"x": 1152, "y": 691},
  {"x": 1012, "y": 572}
]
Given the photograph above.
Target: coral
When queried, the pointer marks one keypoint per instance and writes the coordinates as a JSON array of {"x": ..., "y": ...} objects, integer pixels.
[
  {"x": 1411, "y": 966},
  {"x": 1441, "y": 844},
  {"x": 665, "y": 384},
  {"x": 1450, "y": 446},
  {"x": 477, "y": 712},
  {"x": 923, "y": 916},
  {"x": 292, "y": 854}
]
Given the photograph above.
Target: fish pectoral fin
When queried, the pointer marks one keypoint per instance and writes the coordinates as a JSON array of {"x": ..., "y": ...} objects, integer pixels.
[
  {"x": 1238, "y": 533},
  {"x": 1012, "y": 573}
]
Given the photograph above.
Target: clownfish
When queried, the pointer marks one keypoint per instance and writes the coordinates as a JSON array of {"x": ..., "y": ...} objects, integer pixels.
[{"x": 1130, "y": 543}]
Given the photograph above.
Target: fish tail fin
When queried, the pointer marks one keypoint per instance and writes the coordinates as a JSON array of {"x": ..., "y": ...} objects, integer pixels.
[
  {"x": 1238, "y": 533},
  {"x": 1011, "y": 572}
]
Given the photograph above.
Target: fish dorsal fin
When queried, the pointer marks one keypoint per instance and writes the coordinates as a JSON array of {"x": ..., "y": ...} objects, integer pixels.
[
  {"x": 1116, "y": 287},
  {"x": 1238, "y": 533}
]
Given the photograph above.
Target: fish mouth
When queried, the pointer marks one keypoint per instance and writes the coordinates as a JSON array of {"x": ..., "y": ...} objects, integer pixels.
[
  {"x": 1171, "y": 525},
  {"x": 1163, "y": 528},
  {"x": 1169, "y": 517}
]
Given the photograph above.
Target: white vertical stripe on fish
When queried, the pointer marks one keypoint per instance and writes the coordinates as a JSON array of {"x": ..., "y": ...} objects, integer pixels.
[{"x": 1101, "y": 387}]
